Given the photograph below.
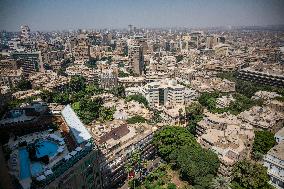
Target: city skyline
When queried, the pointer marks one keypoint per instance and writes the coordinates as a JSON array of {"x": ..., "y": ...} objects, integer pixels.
[{"x": 62, "y": 15}]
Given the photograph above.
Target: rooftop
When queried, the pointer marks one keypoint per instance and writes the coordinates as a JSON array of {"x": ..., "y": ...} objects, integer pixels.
[
  {"x": 78, "y": 129},
  {"x": 277, "y": 151}
]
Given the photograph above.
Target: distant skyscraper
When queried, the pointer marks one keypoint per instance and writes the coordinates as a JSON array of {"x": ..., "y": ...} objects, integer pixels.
[
  {"x": 130, "y": 28},
  {"x": 209, "y": 42},
  {"x": 136, "y": 58},
  {"x": 25, "y": 33}
]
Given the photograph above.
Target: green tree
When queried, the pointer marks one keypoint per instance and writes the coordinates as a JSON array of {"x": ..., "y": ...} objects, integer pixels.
[
  {"x": 136, "y": 119},
  {"x": 77, "y": 83},
  {"x": 193, "y": 114},
  {"x": 171, "y": 186},
  {"x": 179, "y": 147},
  {"x": 61, "y": 98},
  {"x": 179, "y": 58},
  {"x": 220, "y": 183},
  {"x": 139, "y": 98},
  {"x": 47, "y": 96},
  {"x": 122, "y": 74},
  {"x": 208, "y": 100},
  {"x": 263, "y": 142},
  {"x": 118, "y": 91},
  {"x": 92, "y": 63},
  {"x": 247, "y": 174},
  {"x": 23, "y": 85},
  {"x": 106, "y": 114}
]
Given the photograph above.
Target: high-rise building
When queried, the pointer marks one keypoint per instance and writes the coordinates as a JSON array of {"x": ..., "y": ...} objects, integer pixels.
[
  {"x": 80, "y": 48},
  {"x": 209, "y": 42},
  {"x": 136, "y": 58},
  {"x": 25, "y": 33},
  {"x": 29, "y": 61},
  {"x": 130, "y": 28}
]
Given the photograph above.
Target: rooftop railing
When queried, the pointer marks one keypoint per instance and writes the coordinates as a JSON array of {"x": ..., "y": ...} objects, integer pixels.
[{"x": 62, "y": 166}]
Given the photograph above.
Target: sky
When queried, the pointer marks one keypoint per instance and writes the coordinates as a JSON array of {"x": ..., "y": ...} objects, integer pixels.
[{"x": 47, "y": 15}]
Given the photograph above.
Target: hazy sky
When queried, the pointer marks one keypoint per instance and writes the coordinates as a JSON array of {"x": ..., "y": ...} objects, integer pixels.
[{"x": 73, "y": 14}]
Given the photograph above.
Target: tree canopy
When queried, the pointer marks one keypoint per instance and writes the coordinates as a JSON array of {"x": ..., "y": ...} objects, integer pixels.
[
  {"x": 23, "y": 85},
  {"x": 250, "y": 175},
  {"x": 136, "y": 119},
  {"x": 139, "y": 98},
  {"x": 178, "y": 146},
  {"x": 263, "y": 142}
]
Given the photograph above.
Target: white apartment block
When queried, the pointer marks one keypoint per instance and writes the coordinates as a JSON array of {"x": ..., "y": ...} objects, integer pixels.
[
  {"x": 274, "y": 161},
  {"x": 164, "y": 93}
]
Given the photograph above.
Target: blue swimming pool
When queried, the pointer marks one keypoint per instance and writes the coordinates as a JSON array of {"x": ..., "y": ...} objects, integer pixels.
[
  {"x": 36, "y": 168},
  {"x": 46, "y": 147},
  {"x": 24, "y": 163}
]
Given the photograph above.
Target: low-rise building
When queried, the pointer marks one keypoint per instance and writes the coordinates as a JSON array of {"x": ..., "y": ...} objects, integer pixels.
[
  {"x": 26, "y": 94},
  {"x": 131, "y": 81},
  {"x": 227, "y": 136},
  {"x": 265, "y": 95},
  {"x": 49, "y": 81},
  {"x": 89, "y": 73},
  {"x": 263, "y": 118},
  {"x": 209, "y": 84},
  {"x": 224, "y": 101},
  {"x": 125, "y": 110}
]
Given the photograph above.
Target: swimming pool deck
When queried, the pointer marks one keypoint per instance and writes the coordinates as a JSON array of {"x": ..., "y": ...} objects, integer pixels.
[{"x": 14, "y": 162}]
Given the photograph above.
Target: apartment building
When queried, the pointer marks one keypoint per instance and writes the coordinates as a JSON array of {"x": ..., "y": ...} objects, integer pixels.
[
  {"x": 8, "y": 64},
  {"x": 227, "y": 136},
  {"x": 164, "y": 93},
  {"x": 80, "y": 48},
  {"x": 263, "y": 118},
  {"x": 108, "y": 78},
  {"x": 136, "y": 58},
  {"x": 131, "y": 81},
  {"x": 29, "y": 61},
  {"x": 274, "y": 161},
  {"x": 117, "y": 140},
  {"x": 10, "y": 77},
  {"x": 267, "y": 74}
]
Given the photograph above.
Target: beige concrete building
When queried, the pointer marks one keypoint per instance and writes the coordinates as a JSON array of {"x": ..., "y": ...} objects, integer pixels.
[
  {"x": 227, "y": 136},
  {"x": 263, "y": 118},
  {"x": 136, "y": 59},
  {"x": 49, "y": 81}
]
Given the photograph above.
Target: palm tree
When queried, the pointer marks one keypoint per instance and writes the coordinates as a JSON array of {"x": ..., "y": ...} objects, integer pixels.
[{"x": 220, "y": 183}]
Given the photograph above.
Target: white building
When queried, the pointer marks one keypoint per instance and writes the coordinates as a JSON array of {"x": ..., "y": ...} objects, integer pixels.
[
  {"x": 164, "y": 93},
  {"x": 274, "y": 161},
  {"x": 279, "y": 136}
]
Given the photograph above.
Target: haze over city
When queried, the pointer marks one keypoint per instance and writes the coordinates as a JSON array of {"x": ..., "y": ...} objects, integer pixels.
[
  {"x": 46, "y": 15},
  {"x": 148, "y": 94}
]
